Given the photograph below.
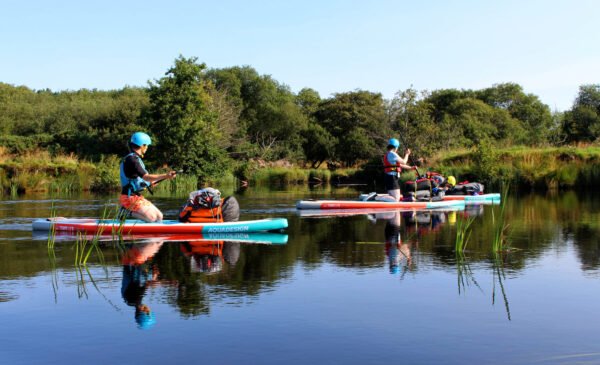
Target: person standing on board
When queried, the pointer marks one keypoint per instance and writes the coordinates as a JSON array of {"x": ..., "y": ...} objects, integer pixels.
[
  {"x": 135, "y": 178},
  {"x": 393, "y": 165}
]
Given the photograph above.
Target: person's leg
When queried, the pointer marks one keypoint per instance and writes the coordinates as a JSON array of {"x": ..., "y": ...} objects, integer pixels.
[
  {"x": 141, "y": 208},
  {"x": 392, "y": 185},
  {"x": 395, "y": 194},
  {"x": 148, "y": 213}
]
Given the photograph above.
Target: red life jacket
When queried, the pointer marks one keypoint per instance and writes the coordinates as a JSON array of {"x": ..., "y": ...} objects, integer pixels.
[{"x": 388, "y": 167}]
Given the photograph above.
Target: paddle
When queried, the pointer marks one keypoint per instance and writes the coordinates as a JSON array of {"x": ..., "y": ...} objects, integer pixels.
[
  {"x": 155, "y": 182},
  {"x": 410, "y": 156}
]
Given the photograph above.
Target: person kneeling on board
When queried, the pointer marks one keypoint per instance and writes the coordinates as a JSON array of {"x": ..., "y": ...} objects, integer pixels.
[{"x": 135, "y": 179}]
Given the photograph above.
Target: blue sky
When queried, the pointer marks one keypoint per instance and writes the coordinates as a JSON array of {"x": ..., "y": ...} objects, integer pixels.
[{"x": 549, "y": 47}]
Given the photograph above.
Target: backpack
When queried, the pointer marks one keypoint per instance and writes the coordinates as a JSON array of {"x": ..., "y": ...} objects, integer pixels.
[
  {"x": 466, "y": 188},
  {"x": 205, "y": 205}
]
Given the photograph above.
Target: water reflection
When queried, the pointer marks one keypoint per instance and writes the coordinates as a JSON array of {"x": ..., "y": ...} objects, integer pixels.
[
  {"x": 139, "y": 272},
  {"x": 208, "y": 257},
  {"x": 398, "y": 252}
]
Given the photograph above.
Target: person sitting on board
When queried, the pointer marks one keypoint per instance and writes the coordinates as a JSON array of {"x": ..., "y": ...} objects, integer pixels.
[
  {"x": 135, "y": 179},
  {"x": 393, "y": 165}
]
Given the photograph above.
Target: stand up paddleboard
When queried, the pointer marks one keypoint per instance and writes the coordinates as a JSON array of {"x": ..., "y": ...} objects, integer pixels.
[{"x": 134, "y": 226}]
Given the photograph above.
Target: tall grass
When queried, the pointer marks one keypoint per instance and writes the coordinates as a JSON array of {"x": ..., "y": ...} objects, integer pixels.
[
  {"x": 538, "y": 168},
  {"x": 463, "y": 234},
  {"x": 500, "y": 227},
  {"x": 499, "y": 276}
]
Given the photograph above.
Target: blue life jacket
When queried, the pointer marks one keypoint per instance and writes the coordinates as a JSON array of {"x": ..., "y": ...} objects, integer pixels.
[{"x": 133, "y": 185}]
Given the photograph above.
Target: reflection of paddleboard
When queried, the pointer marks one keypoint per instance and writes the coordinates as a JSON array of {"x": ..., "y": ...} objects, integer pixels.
[
  {"x": 256, "y": 237},
  {"x": 493, "y": 197},
  {"x": 134, "y": 226},
  {"x": 468, "y": 199},
  {"x": 325, "y": 213},
  {"x": 358, "y": 204}
]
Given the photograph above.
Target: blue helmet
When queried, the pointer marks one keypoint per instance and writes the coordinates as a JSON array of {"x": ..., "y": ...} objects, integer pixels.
[
  {"x": 140, "y": 139},
  {"x": 144, "y": 320},
  {"x": 394, "y": 142}
]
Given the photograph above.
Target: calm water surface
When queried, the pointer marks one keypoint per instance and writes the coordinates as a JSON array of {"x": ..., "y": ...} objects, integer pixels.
[{"x": 344, "y": 289}]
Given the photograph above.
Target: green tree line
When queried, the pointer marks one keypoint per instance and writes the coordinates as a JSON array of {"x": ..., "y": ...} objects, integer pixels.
[{"x": 210, "y": 121}]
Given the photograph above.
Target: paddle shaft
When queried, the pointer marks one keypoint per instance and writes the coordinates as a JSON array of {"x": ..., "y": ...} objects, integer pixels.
[
  {"x": 410, "y": 156},
  {"x": 149, "y": 188},
  {"x": 165, "y": 178}
]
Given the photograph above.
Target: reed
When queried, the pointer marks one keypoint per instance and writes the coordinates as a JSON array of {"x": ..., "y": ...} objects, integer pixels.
[
  {"x": 499, "y": 276},
  {"x": 319, "y": 175},
  {"x": 52, "y": 231},
  {"x": 465, "y": 276},
  {"x": 279, "y": 176},
  {"x": 463, "y": 234},
  {"x": 84, "y": 246},
  {"x": 500, "y": 227}
]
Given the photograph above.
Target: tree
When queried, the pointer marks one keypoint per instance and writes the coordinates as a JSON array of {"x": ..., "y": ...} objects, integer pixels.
[
  {"x": 358, "y": 121},
  {"x": 183, "y": 122},
  {"x": 411, "y": 117},
  {"x": 308, "y": 100},
  {"x": 319, "y": 145},
  {"x": 582, "y": 122},
  {"x": 270, "y": 119},
  {"x": 533, "y": 115}
]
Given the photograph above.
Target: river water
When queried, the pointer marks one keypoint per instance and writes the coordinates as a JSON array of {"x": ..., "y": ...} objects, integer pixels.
[{"x": 332, "y": 289}]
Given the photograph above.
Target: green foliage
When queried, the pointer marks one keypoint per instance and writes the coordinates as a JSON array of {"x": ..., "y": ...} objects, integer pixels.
[
  {"x": 201, "y": 118},
  {"x": 280, "y": 176},
  {"x": 486, "y": 162},
  {"x": 22, "y": 144},
  {"x": 527, "y": 110},
  {"x": 582, "y": 122},
  {"x": 319, "y": 145},
  {"x": 106, "y": 176},
  {"x": 271, "y": 118},
  {"x": 411, "y": 120},
  {"x": 308, "y": 100},
  {"x": 182, "y": 122},
  {"x": 358, "y": 121}
]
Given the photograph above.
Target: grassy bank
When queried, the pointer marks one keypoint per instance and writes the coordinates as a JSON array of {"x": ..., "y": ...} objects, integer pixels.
[
  {"x": 39, "y": 171},
  {"x": 536, "y": 168},
  {"x": 524, "y": 168},
  {"x": 274, "y": 176}
]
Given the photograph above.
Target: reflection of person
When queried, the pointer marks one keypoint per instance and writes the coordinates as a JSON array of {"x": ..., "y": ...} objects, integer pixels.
[
  {"x": 135, "y": 178},
  {"x": 395, "y": 250},
  {"x": 138, "y": 271},
  {"x": 392, "y": 166}
]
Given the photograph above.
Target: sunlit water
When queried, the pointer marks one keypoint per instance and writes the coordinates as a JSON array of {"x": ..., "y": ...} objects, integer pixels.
[{"x": 342, "y": 290}]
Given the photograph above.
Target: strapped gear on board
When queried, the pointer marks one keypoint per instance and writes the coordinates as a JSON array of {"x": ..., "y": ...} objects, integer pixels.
[
  {"x": 466, "y": 188},
  {"x": 206, "y": 205},
  {"x": 427, "y": 188}
]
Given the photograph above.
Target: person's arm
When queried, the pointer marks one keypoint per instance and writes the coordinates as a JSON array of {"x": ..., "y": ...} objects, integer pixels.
[
  {"x": 408, "y": 167},
  {"x": 156, "y": 177},
  {"x": 404, "y": 160},
  {"x": 143, "y": 173}
]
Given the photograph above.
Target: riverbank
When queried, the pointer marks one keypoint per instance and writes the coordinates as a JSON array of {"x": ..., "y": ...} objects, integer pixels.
[{"x": 524, "y": 168}]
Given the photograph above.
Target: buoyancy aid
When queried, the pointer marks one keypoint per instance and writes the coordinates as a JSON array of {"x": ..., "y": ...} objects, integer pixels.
[
  {"x": 389, "y": 167},
  {"x": 133, "y": 185}
]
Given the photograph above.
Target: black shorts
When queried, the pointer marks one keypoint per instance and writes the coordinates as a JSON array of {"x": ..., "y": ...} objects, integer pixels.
[{"x": 391, "y": 182}]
